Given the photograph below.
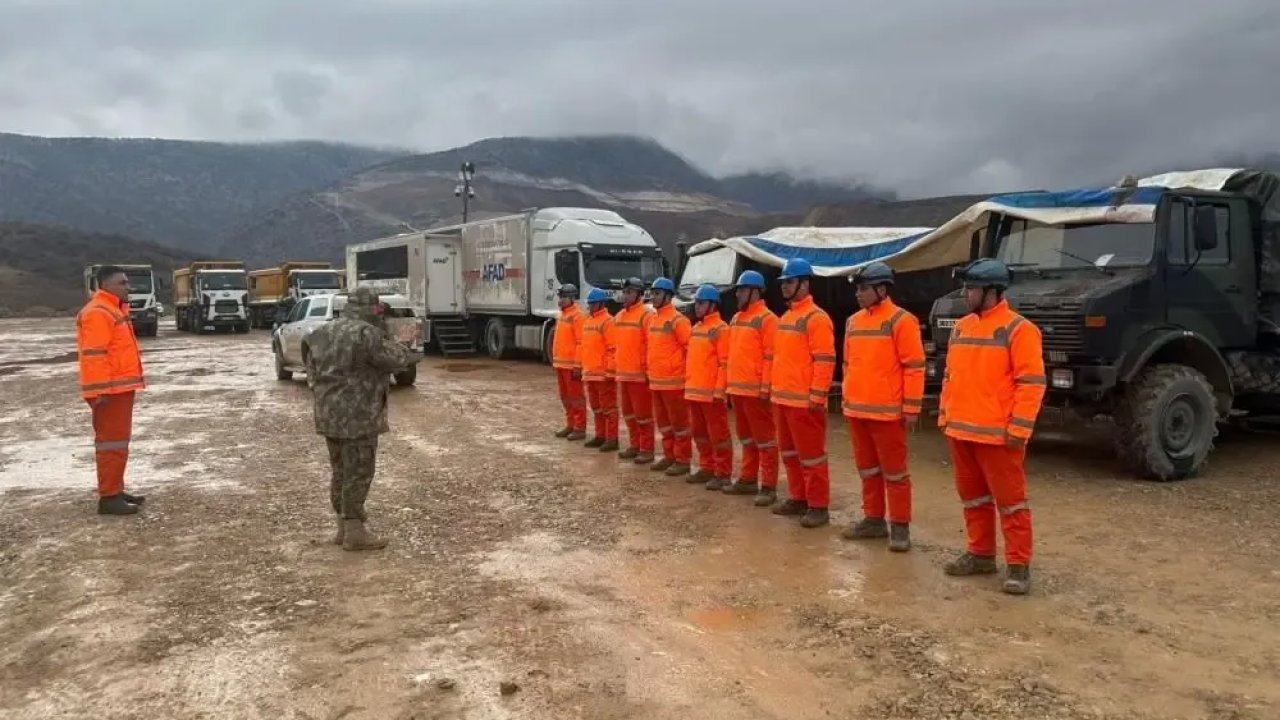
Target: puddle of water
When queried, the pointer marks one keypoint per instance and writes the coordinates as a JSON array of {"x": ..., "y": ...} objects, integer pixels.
[
  {"x": 727, "y": 619},
  {"x": 50, "y": 360},
  {"x": 462, "y": 367}
]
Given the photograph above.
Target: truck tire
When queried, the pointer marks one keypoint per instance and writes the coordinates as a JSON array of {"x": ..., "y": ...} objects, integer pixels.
[
  {"x": 281, "y": 372},
  {"x": 408, "y": 377},
  {"x": 498, "y": 338},
  {"x": 177, "y": 320},
  {"x": 548, "y": 339},
  {"x": 1167, "y": 421},
  {"x": 243, "y": 327}
]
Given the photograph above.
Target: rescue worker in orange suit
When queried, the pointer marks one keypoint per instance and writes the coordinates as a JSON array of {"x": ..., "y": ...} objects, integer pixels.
[
  {"x": 667, "y": 347},
  {"x": 751, "y": 335},
  {"x": 566, "y": 358},
  {"x": 991, "y": 394},
  {"x": 883, "y": 388},
  {"x": 706, "y": 380},
  {"x": 110, "y": 375},
  {"x": 598, "y": 371},
  {"x": 804, "y": 361},
  {"x": 631, "y": 331}
]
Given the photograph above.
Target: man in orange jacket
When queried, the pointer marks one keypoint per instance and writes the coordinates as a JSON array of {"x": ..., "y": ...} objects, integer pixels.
[
  {"x": 804, "y": 361},
  {"x": 599, "y": 370},
  {"x": 991, "y": 394},
  {"x": 668, "y": 343},
  {"x": 110, "y": 375},
  {"x": 631, "y": 332},
  {"x": 566, "y": 358},
  {"x": 706, "y": 380},
  {"x": 883, "y": 389},
  {"x": 751, "y": 336}
]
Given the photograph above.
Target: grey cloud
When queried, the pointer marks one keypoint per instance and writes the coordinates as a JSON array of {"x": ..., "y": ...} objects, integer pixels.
[{"x": 924, "y": 96}]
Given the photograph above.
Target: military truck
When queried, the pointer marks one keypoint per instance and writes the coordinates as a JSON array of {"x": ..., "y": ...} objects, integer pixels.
[
  {"x": 1158, "y": 302},
  {"x": 144, "y": 311},
  {"x": 293, "y": 280},
  {"x": 211, "y": 294}
]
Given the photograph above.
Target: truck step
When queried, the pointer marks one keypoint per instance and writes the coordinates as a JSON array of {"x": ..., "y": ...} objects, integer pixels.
[{"x": 453, "y": 337}]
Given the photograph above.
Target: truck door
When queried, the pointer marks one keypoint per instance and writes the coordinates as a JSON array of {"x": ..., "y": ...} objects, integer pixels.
[
  {"x": 443, "y": 278},
  {"x": 1212, "y": 291}
]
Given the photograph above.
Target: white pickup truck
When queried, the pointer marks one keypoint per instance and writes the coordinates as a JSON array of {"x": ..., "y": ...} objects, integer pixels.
[{"x": 289, "y": 339}]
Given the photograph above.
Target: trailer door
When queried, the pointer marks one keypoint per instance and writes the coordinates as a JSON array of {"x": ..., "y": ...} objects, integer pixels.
[{"x": 444, "y": 278}]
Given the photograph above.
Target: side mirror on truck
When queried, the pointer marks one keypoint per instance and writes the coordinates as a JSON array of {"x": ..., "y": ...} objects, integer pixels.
[{"x": 1205, "y": 228}]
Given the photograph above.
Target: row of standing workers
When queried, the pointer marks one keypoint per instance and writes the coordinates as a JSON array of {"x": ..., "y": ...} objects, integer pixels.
[{"x": 658, "y": 367}]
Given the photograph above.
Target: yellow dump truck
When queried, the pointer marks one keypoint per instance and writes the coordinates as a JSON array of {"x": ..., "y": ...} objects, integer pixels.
[
  {"x": 211, "y": 294},
  {"x": 270, "y": 288}
]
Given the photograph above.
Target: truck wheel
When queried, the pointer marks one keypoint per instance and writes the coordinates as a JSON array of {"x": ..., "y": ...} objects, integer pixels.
[
  {"x": 177, "y": 321},
  {"x": 408, "y": 377},
  {"x": 243, "y": 327},
  {"x": 281, "y": 372},
  {"x": 1167, "y": 421},
  {"x": 498, "y": 338},
  {"x": 548, "y": 339}
]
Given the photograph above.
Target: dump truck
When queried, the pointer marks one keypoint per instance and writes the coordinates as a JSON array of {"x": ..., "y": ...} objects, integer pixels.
[
  {"x": 144, "y": 311},
  {"x": 269, "y": 288},
  {"x": 493, "y": 283},
  {"x": 1158, "y": 301},
  {"x": 211, "y": 295}
]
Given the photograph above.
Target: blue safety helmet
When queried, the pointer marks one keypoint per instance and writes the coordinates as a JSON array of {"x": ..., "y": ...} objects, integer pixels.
[
  {"x": 597, "y": 296},
  {"x": 751, "y": 279},
  {"x": 707, "y": 293},
  {"x": 985, "y": 273},
  {"x": 876, "y": 273},
  {"x": 796, "y": 268},
  {"x": 665, "y": 285}
]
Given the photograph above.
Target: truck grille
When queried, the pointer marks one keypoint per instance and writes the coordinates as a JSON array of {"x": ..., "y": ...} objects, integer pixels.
[
  {"x": 1061, "y": 324},
  {"x": 137, "y": 304},
  {"x": 226, "y": 307}
]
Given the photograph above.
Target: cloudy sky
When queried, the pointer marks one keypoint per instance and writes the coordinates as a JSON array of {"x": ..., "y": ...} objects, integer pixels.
[{"x": 925, "y": 96}]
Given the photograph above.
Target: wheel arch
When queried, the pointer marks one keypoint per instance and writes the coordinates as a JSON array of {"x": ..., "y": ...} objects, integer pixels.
[{"x": 1182, "y": 347}]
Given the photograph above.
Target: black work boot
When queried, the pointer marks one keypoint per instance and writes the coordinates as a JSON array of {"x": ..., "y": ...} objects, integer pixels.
[
  {"x": 630, "y": 453},
  {"x": 133, "y": 499},
  {"x": 899, "y": 537},
  {"x": 967, "y": 564},
  {"x": 701, "y": 476},
  {"x": 609, "y": 446},
  {"x": 594, "y": 442},
  {"x": 355, "y": 536},
  {"x": 866, "y": 529},
  {"x": 716, "y": 483},
  {"x": 676, "y": 469},
  {"x": 739, "y": 487},
  {"x": 1017, "y": 580},
  {"x": 564, "y": 432},
  {"x": 576, "y": 435},
  {"x": 116, "y": 505},
  {"x": 815, "y": 517},
  {"x": 791, "y": 507},
  {"x": 662, "y": 464},
  {"x": 643, "y": 458},
  {"x": 766, "y": 497}
]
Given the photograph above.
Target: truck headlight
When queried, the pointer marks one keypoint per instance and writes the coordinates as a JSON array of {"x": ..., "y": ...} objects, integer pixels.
[
  {"x": 1062, "y": 379},
  {"x": 931, "y": 368}
]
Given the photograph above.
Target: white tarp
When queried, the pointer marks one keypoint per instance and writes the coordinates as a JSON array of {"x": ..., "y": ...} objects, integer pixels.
[{"x": 841, "y": 251}]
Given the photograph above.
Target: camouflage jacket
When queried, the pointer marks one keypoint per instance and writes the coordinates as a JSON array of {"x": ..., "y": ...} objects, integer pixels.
[{"x": 347, "y": 368}]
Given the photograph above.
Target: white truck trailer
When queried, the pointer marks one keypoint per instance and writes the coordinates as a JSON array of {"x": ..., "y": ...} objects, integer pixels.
[{"x": 492, "y": 283}]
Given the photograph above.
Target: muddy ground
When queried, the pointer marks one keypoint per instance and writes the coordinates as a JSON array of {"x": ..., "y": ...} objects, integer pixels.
[{"x": 596, "y": 589}]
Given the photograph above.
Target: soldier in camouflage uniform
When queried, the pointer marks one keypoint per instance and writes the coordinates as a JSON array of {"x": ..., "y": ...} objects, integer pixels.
[{"x": 347, "y": 368}]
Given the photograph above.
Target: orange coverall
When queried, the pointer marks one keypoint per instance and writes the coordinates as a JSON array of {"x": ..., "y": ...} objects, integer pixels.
[
  {"x": 110, "y": 374},
  {"x": 630, "y": 329},
  {"x": 598, "y": 370},
  {"x": 991, "y": 394},
  {"x": 804, "y": 361},
  {"x": 669, "y": 334},
  {"x": 883, "y": 380},
  {"x": 706, "y": 381},
  {"x": 751, "y": 336},
  {"x": 566, "y": 358}
]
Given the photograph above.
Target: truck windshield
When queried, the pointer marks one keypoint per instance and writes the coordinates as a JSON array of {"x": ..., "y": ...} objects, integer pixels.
[
  {"x": 222, "y": 280},
  {"x": 1031, "y": 244},
  {"x": 313, "y": 281},
  {"x": 715, "y": 267},
  {"x": 139, "y": 282},
  {"x": 609, "y": 271}
]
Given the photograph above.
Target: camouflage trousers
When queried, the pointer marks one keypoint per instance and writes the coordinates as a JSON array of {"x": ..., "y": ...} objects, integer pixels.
[{"x": 352, "y": 461}]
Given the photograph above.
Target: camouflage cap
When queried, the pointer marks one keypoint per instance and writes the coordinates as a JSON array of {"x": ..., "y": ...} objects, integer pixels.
[{"x": 363, "y": 297}]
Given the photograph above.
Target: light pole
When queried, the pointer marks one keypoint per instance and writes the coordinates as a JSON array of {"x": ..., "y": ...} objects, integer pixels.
[{"x": 463, "y": 188}]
